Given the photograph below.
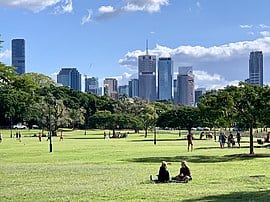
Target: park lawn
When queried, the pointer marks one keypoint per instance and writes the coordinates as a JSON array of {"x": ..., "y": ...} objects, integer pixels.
[{"x": 89, "y": 168}]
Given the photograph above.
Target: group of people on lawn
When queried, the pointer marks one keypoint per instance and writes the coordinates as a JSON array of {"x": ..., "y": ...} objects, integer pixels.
[{"x": 164, "y": 176}]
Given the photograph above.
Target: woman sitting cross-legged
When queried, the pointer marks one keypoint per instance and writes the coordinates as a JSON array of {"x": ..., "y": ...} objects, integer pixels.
[
  {"x": 163, "y": 175},
  {"x": 185, "y": 174}
]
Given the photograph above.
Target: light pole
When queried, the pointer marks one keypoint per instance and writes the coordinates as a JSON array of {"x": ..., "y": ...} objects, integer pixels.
[
  {"x": 155, "y": 136},
  {"x": 50, "y": 128}
]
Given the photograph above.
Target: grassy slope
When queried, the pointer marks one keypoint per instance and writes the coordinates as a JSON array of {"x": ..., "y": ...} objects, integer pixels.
[{"x": 88, "y": 168}]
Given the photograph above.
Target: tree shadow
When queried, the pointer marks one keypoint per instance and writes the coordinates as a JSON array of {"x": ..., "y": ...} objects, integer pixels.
[
  {"x": 85, "y": 138},
  {"x": 158, "y": 140},
  {"x": 235, "y": 196},
  {"x": 198, "y": 158}
]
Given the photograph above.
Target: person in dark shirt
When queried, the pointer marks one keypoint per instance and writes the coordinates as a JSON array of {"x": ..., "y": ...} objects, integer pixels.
[
  {"x": 185, "y": 174},
  {"x": 189, "y": 139},
  {"x": 163, "y": 175}
]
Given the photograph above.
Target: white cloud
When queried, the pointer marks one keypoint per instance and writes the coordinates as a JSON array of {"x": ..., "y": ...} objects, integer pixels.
[
  {"x": 5, "y": 55},
  {"x": 87, "y": 18},
  {"x": 208, "y": 81},
  {"x": 265, "y": 33},
  {"x": 106, "y": 9},
  {"x": 61, "y": 6},
  {"x": 191, "y": 54},
  {"x": 150, "y": 6},
  {"x": 263, "y": 26},
  {"x": 246, "y": 26}
]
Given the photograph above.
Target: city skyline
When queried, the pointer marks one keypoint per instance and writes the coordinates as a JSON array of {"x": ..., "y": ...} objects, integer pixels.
[{"x": 104, "y": 39}]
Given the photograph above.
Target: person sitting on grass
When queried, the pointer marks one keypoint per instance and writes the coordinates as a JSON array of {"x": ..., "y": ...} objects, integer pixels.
[
  {"x": 163, "y": 175},
  {"x": 185, "y": 174}
]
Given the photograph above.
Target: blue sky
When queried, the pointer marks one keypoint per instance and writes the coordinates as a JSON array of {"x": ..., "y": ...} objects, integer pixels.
[{"x": 104, "y": 37}]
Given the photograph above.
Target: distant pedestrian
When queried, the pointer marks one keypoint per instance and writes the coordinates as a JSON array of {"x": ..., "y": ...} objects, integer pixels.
[
  {"x": 238, "y": 138},
  {"x": 39, "y": 136},
  {"x": 20, "y": 136},
  {"x": 1, "y": 138},
  {"x": 61, "y": 136},
  {"x": 190, "y": 141}
]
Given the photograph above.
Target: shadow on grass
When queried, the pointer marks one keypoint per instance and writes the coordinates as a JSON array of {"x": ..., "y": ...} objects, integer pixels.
[
  {"x": 234, "y": 147},
  {"x": 84, "y": 138},
  {"x": 158, "y": 140},
  {"x": 199, "y": 158},
  {"x": 235, "y": 196}
]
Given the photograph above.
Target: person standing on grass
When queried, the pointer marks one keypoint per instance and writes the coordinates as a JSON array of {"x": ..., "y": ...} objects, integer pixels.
[
  {"x": 238, "y": 138},
  {"x": 190, "y": 142},
  {"x": 1, "y": 138},
  {"x": 61, "y": 136}
]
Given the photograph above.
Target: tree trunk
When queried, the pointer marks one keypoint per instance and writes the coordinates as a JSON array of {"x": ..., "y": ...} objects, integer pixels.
[
  {"x": 145, "y": 133},
  {"x": 251, "y": 147}
]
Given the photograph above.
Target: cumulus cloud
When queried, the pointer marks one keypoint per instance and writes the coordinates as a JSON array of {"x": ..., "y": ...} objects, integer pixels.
[
  {"x": 191, "y": 54},
  {"x": 215, "y": 81},
  {"x": 61, "y": 6},
  {"x": 246, "y": 26},
  {"x": 109, "y": 11},
  {"x": 265, "y": 33},
  {"x": 5, "y": 55},
  {"x": 263, "y": 26}
]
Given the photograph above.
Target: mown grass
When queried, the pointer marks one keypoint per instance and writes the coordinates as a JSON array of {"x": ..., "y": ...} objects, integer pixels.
[{"x": 89, "y": 168}]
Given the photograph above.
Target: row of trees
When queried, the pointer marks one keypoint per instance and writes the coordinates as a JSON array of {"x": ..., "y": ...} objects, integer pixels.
[{"x": 35, "y": 99}]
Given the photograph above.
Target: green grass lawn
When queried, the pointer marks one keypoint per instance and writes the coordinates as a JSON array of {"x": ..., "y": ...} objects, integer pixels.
[{"x": 89, "y": 168}]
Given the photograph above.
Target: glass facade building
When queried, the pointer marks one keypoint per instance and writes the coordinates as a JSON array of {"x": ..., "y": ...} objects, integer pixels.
[
  {"x": 147, "y": 77},
  {"x": 18, "y": 55},
  {"x": 133, "y": 88},
  {"x": 165, "y": 71},
  {"x": 91, "y": 85},
  {"x": 256, "y": 68},
  {"x": 70, "y": 77}
]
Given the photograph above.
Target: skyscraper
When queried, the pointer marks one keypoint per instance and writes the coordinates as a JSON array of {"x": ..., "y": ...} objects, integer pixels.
[
  {"x": 91, "y": 85},
  {"x": 165, "y": 71},
  {"x": 110, "y": 88},
  {"x": 256, "y": 68},
  {"x": 185, "y": 86},
  {"x": 70, "y": 77},
  {"x": 18, "y": 55},
  {"x": 198, "y": 93},
  {"x": 133, "y": 86},
  {"x": 123, "y": 90},
  {"x": 147, "y": 77}
]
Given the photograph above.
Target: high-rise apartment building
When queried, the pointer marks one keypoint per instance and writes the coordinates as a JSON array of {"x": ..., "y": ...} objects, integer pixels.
[
  {"x": 70, "y": 77},
  {"x": 133, "y": 86},
  {"x": 165, "y": 71},
  {"x": 256, "y": 68},
  {"x": 185, "y": 86},
  {"x": 91, "y": 85},
  {"x": 110, "y": 88},
  {"x": 18, "y": 55},
  {"x": 147, "y": 77}
]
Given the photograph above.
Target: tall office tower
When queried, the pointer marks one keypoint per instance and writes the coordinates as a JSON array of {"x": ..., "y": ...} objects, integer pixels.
[
  {"x": 70, "y": 77},
  {"x": 123, "y": 90},
  {"x": 91, "y": 85},
  {"x": 165, "y": 71},
  {"x": 110, "y": 88},
  {"x": 18, "y": 55},
  {"x": 198, "y": 93},
  {"x": 185, "y": 87},
  {"x": 147, "y": 76},
  {"x": 133, "y": 86},
  {"x": 256, "y": 68},
  {"x": 175, "y": 91}
]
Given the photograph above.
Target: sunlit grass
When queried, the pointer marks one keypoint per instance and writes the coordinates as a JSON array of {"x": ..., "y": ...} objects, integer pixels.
[{"x": 89, "y": 168}]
